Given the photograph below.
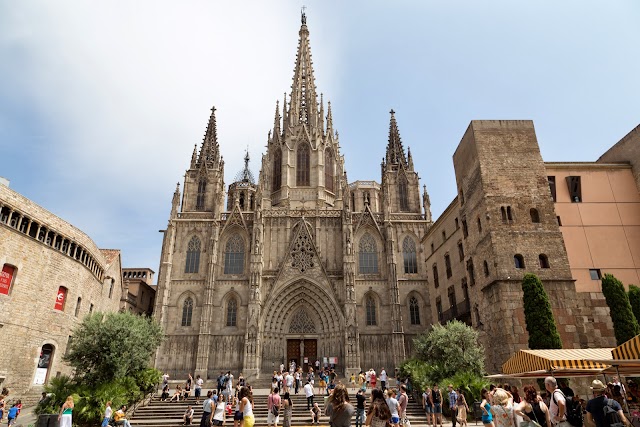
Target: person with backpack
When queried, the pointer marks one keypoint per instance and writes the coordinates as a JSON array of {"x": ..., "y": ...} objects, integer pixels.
[
  {"x": 602, "y": 411},
  {"x": 564, "y": 412}
]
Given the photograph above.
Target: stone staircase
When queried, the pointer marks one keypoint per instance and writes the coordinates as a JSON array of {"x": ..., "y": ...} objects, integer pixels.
[{"x": 169, "y": 414}]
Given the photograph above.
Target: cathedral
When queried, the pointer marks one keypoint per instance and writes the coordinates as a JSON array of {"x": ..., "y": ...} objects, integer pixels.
[
  {"x": 303, "y": 265},
  {"x": 300, "y": 265}
]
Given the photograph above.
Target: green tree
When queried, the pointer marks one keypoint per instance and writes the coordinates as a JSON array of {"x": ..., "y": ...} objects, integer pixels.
[
  {"x": 106, "y": 347},
  {"x": 543, "y": 333},
  {"x": 625, "y": 325},
  {"x": 634, "y": 299},
  {"x": 449, "y": 349}
]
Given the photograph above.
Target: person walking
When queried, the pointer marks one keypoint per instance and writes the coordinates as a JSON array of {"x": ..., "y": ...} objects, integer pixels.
[
  {"x": 596, "y": 406},
  {"x": 485, "y": 405},
  {"x": 360, "y": 399},
  {"x": 65, "y": 418},
  {"x": 453, "y": 398},
  {"x": 308, "y": 391},
  {"x": 531, "y": 408},
  {"x": 393, "y": 405},
  {"x": 198, "y": 389},
  {"x": 379, "y": 413},
  {"x": 557, "y": 403},
  {"x": 107, "y": 415},
  {"x": 339, "y": 410},
  {"x": 436, "y": 397},
  {"x": 219, "y": 414},
  {"x": 462, "y": 409},
  {"x": 246, "y": 406},
  {"x": 207, "y": 410},
  {"x": 383, "y": 379},
  {"x": 502, "y": 408},
  {"x": 427, "y": 405},
  {"x": 403, "y": 401},
  {"x": 273, "y": 408},
  {"x": 287, "y": 410}
]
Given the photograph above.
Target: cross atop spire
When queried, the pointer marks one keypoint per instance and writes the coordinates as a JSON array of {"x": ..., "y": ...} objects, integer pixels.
[
  {"x": 303, "y": 107},
  {"x": 395, "y": 150},
  {"x": 209, "y": 151},
  {"x": 245, "y": 174},
  {"x": 303, "y": 16}
]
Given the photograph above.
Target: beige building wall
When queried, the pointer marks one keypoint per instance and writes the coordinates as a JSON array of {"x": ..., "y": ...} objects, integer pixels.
[
  {"x": 45, "y": 253},
  {"x": 602, "y": 231}
]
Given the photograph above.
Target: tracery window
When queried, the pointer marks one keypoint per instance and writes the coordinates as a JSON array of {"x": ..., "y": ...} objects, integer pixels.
[
  {"x": 277, "y": 170},
  {"x": 409, "y": 255},
  {"x": 328, "y": 170},
  {"x": 302, "y": 251},
  {"x": 368, "y": 255},
  {"x": 303, "y": 165},
  {"x": 187, "y": 311},
  {"x": 371, "y": 311},
  {"x": 202, "y": 187},
  {"x": 302, "y": 324},
  {"x": 403, "y": 193},
  {"x": 414, "y": 311},
  {"x": 193, "y": 256},
  {"x": 232, "y": 312},
  {"x": 234, "y": 255}
]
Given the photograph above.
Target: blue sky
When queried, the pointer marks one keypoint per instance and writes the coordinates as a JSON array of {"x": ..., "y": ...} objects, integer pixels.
[{"x": 101, "y": 103}]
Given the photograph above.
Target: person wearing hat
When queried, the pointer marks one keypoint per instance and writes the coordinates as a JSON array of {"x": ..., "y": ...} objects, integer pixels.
[{"x": 595, "y": 406}]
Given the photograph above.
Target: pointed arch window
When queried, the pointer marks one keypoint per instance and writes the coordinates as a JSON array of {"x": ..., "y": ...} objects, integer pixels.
[
  {"x": 368, "y": 255},
  {"x": 234, "y": 255},
  {"x": 193, "y": 256},
  {"x": 187, "y": 311},
  {"x": 277, "y": 170},
  {"x": 414, "y": 311},
  {"x": 328, "y": 170},
  {"x": 202, "y": 188},
  {"x": 232, "y": 312},
  {"x": 371, "y": 311},
  {"x": 303, "y": 165},
  {"x": 403, "y": 193},
  {"x": 409, "y": 255}
]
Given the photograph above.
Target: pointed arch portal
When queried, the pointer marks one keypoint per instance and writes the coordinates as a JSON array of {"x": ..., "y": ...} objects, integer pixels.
[{"x": 303, "y": 323}]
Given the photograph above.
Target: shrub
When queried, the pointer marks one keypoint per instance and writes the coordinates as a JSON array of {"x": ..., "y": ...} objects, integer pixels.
[
  {"x": 634, "y": 300},
  {"x": 543, "y": 333},
  {"x": 625, "y": 325}
]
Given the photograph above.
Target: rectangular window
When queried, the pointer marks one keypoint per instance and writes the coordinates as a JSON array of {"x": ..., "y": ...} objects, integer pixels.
[
  {"x": 439, "y": 308},
  {"x": 465, "y": 231},
  {"x": 552, "y": 186},
  {"x": 575, "y": 189},
  {"x": 471, "y": 272},
  {"x": 460, "y": 251},
  {"x": 444, "y": 236},
  {"x": 452, "y": 300},
  {"x": 6, "y": 279},
  {"x": 61, "y": 298},
  {"x": 436, "y": 281},
  {"x": 368, "y": 262},
  {"x": 447, "y": 265},
  {"x": 595, "y": 274},
  {"x": 457, "y": 223},
  {"x": 432, "y": 248},
  {"x": 233, "y": 262}
]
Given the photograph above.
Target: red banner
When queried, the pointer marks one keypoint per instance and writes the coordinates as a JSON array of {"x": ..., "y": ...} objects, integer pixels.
[
  {"x": 5, "y": 279},
  {"x": 60, "y": 297}
]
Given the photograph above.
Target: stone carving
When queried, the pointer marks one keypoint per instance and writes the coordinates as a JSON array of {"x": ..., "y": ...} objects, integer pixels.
[
  {"x": 302, "y": 324},
  {"x": 302, "y": 251}
]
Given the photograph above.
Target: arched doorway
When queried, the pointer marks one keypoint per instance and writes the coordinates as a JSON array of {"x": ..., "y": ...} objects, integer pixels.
[
  {"x": 300, "y": 320},
  {"x": 44, "y": 364}
]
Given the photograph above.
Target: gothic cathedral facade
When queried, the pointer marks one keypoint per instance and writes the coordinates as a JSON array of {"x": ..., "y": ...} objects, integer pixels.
[{"x": 299, "y": 266}]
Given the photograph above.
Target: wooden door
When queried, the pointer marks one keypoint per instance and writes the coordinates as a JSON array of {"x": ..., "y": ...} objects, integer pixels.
[
  {"x": 310, "y": 352},
  {"x": 293, "y": 351}
]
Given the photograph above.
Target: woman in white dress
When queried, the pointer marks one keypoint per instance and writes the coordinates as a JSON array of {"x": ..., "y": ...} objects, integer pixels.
[{"x": 64, "y": 418}]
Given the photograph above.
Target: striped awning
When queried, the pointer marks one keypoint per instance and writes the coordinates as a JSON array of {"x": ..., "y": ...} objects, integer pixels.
[
  {"x": 550, "y": 360},
  {"x": 628, "y": 350}
]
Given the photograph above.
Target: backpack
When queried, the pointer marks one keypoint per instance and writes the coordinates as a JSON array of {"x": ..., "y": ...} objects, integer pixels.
[
  {"x": 573, "y": 410},
  {"x": 611, "y": 416}
]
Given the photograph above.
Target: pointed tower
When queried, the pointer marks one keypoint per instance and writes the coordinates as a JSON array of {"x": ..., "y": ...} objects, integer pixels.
[
  {"x": 204, "y": 180},
  {"x": 400, "y": 183},
  {"x": 303, "y": 166},
  {"x": 243, "y": 189}
]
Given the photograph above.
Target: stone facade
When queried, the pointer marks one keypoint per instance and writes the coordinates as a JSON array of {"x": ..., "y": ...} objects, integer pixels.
[
  {"x": 43, "y": 256},
  {"x": 139, "y": 292},
  {"x": 301, "y": 264}
]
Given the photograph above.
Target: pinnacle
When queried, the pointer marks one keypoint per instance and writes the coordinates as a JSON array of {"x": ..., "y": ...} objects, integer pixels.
[{"x": 395, "y": 151}]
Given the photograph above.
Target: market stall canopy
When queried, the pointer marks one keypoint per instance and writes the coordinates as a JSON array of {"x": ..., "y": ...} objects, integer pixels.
[
  {"x": 566, "y": 361},
  {"x": 628, "y": 350}
]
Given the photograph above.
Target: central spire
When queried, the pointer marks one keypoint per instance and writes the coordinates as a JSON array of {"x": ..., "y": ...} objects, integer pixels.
[
  {"x": 304, "y": 104},
  {"x": 395, "y": 150}
]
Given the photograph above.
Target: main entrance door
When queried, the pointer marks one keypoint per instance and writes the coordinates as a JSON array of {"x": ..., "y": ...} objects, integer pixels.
[{"x": 299, "y": 349}]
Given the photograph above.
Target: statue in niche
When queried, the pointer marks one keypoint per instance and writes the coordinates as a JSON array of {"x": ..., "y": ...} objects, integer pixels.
[{"x": 348, "y": 245}]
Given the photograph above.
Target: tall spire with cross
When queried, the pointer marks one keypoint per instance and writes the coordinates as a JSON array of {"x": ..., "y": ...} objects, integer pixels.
[
  {"x": 303, "y": 107},
  {"x": 210, "y": 151},
  {"x": 395, "y": 150}
]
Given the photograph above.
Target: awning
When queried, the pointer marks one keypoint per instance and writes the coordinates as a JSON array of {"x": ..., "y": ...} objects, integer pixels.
[
  {"x": 569, "y": 360},
  {"x": 628, "y": 350}
]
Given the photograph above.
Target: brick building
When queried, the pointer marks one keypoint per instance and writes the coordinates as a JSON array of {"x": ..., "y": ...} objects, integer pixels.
[
  {"x": 53, "y": 275},
  {"x": 139, "y": 292}
]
